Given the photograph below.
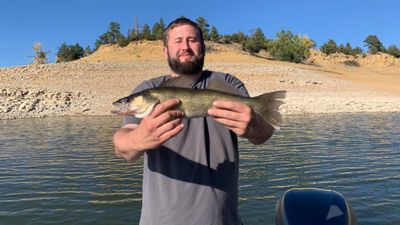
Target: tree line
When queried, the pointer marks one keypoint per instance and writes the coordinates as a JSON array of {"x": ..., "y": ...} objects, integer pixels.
[{"x": 286, "y": 46}]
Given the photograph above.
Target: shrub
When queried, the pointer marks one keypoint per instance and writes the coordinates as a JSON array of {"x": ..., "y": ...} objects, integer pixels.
[
  {"x": 329, "y": 47},
  {"x": 288, "y": 47},
  {"x": 226, "y": 39},
  {"x": 68, "y": 53},
  {"x": 351, "y": 63},
  {"x": 356, "y": 51},
  {"x": 238, "y": 37},
  {"x": 394, "y": 51},
  {"x": 214, "y": 35},
  {"x": 255, "y": 42},
  {"x": 40, "y": 56}
]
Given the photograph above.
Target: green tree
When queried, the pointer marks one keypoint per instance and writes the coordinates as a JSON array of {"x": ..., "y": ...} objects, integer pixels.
[
  {"x": 68, "y": 53},
  {"x": 226, "y": 39},
  {"x": 122, "y": 41},
  {"x": 329, "y": 47},
  {"x": 394, "y": 51},
  {"x": 288, "y": 47},
  {"x": 158, "y": 30},
  {"x": 308, "y": 42},
  {"x": 102, "y": 40},
  {"x": 239, "y": 37},
  {"x": 114, "y": 32},
  {"x": 112, "y": 36},
  {"x": 255, "y": 42},
  {"x": 146, "y": 32},
  {"x": 374, "y": 44},
  {"x": 203, "y": 25},
  {"x": 347, "y": 50},
  {"x": 214, "y": 35},
  {"x": 88, "y": 51},
  {"x": 356, "y": 51}
]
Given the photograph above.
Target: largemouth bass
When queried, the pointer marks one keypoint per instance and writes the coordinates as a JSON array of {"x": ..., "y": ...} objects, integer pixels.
[{"x": 196, "y": 102}]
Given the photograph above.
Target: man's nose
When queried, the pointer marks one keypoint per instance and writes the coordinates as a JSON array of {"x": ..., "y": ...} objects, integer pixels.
[{"x": 185, "y": 44}]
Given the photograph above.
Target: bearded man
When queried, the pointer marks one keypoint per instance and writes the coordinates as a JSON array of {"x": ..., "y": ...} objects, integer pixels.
[{"x": 190, "y": 166}]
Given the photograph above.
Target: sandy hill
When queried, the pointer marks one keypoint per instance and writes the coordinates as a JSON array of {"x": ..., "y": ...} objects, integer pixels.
[
  {"x": 88, "y": 86},
  {"x": 232, "y": 53},
  {"x": 381, "y": 71},
  {"x": 152, "y": 51}
]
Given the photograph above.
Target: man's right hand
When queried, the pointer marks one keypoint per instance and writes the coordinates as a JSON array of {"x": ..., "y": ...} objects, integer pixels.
[{"x": 160, "y": 125}]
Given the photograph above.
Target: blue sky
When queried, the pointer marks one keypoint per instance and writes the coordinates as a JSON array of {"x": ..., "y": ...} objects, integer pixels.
[{"x": 52, "y": 22}]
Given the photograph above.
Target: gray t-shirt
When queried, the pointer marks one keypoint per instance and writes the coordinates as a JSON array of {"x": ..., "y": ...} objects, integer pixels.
[{"x": 192, "y": 179}]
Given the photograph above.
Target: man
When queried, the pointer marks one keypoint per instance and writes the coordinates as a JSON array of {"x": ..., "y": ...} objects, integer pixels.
[{"x": 190, "y": 165}]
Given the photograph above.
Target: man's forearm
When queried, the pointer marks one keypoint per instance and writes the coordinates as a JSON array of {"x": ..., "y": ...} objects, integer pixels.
[
  {"x": 261, "y": 131},
  {"x": 123, "y": 144}
]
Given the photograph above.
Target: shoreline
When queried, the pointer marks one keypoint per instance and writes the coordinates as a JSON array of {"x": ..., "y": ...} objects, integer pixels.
[{"x": 89, "y": 88}]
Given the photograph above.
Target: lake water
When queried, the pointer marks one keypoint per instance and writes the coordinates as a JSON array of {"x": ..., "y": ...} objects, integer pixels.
[{"x": 63, "y": 170}]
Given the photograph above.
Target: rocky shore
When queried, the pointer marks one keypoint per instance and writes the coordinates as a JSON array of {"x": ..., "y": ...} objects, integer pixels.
[
  {"x": 23, "y": 102},
  {"x": 88, "y": 88}
]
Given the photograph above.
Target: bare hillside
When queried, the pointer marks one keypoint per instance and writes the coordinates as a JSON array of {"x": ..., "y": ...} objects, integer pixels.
[{"x": 89, "y": 86}]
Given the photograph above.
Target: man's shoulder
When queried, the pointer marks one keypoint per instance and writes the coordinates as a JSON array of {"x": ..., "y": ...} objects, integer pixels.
[
  {"x": 156, "y": 81},
  {"x": 229, "y": 79},
  {"x": 223, "y": 76}
]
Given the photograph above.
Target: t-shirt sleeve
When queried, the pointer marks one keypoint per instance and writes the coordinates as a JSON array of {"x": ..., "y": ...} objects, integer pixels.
[
  {"x": 239, "y": 85},
  {"x": 235, "y": 82}
]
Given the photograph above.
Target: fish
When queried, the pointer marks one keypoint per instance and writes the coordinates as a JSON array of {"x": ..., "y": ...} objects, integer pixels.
[{"x": 196, "y": 102}]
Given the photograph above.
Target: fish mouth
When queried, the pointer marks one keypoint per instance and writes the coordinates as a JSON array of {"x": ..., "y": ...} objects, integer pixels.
[{"x": 122, "y": 109}]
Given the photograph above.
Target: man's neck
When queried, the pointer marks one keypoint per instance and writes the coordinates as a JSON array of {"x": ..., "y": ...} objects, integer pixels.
[{"x": 191, "y": 76}]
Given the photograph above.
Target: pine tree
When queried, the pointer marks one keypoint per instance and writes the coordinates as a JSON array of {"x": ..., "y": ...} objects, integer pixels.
[
  {"x": 203, "y": 25},
  {"x": 214, "y": 36},
  {"x": 87, "y": 51},
  {"x": 329, "y": 47},
  {"x": 68, "y": 53},
  {"x": 357, "y": 51},
  {"x": 255, "y": 42},
  {"x": 394, "y": 51},
  {"x": 374, "y": 44},
  {"x": 158, "y": 30},
  {"x": 239, "y": 37},
  {"x": 112, "y": 36},
  {"x": 146, "y": 32}
]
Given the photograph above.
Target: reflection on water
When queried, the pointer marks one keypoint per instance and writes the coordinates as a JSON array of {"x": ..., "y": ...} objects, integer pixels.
[{"x": 63, "y": 170}]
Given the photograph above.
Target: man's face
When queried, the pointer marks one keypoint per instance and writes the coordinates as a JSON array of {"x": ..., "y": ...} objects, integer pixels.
[{"x": 185, "y": 50}]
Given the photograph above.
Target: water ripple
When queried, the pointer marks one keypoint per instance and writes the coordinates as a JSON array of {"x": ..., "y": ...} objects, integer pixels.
[{"x": 63, "y": 171}]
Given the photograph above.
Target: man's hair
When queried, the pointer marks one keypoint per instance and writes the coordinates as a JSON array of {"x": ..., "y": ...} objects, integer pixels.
[{"x": 178, "y": 22}]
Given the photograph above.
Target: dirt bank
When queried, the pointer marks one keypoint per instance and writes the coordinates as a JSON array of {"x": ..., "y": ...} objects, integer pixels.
[{"x": 90, "y": 85}]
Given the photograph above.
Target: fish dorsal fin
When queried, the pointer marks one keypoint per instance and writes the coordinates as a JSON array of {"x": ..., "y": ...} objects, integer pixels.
[
  {"x": 180, "y": 81},
  {"x": 219, "y": 84}
]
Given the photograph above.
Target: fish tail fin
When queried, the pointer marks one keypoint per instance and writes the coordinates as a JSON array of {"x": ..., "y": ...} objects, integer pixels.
[{"x": 268, "y": 107}]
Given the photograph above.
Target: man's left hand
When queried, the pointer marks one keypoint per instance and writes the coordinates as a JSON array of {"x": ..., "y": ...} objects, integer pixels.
[{"x": 242, "y": 120}]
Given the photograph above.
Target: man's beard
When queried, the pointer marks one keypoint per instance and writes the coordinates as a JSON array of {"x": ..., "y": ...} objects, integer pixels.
[{"x": 187, "y": 67}]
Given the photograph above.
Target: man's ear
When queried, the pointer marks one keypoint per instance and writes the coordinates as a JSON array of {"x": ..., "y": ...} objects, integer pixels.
[{"x": 165, "y": 50}]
